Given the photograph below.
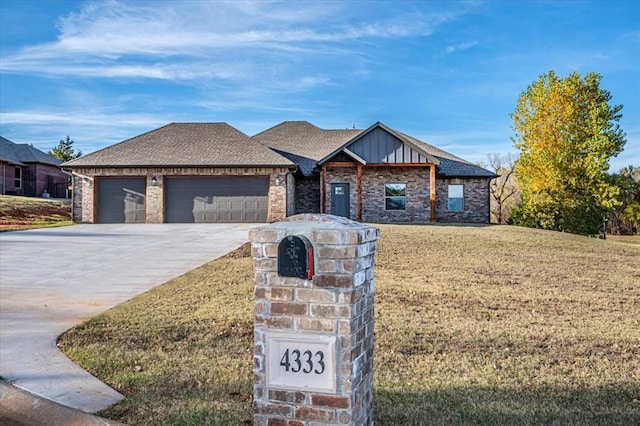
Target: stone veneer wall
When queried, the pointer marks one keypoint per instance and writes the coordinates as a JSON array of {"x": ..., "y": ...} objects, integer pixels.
[
  {"x": 307, "y": 195},
  {"x": 338, "y": 302},
  {"x": 417, "y": 194},
  {"x": 476, "y": 200},
  {"x": 373, "y": 198},
  {"x": 84, "y": 194}
]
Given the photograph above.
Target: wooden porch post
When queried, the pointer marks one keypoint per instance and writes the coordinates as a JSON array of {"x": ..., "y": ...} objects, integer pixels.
[
  {"x": 323, "y": 183},
  {"x": 359, "y": 192},
  {"x": 432, "y": 190}
]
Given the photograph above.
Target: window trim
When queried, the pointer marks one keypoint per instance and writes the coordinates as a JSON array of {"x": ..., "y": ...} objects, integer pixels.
[
  {"x": 17, "y": 178},
  {"x": 404, "y": 197},
  {"x": 450, "y": 198}
]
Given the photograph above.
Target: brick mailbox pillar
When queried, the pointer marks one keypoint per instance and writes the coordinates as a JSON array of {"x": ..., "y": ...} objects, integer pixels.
[{"x": 313, "y": 352}]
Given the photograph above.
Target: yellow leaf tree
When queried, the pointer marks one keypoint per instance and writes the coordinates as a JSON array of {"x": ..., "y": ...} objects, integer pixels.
[{"x": 566, "y": 132}]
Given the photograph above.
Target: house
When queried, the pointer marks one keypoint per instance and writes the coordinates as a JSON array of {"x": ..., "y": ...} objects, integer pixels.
[
  {"x": 25, "y": 170},
  {"x": 212, "y": 172}
]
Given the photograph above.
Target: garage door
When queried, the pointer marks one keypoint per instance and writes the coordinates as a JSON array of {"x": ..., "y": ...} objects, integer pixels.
[
  {"x": 120, "y": 200},
  {"x": 216, "y": 199}
]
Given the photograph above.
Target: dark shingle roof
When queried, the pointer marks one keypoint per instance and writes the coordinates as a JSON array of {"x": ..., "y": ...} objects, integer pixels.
[
  {"x": 19, "y": 154},
  {"x": 304, "y": 143},
  {"x": 185, "y": 144}
]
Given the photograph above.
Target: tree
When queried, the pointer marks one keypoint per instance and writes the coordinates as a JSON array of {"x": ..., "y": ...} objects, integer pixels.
[
  {"x": 625, "y": 217},
  {"x": 505, "y": 191},
  {"x": 64, "y": 151},
  {"x": 566, "y": 132}
]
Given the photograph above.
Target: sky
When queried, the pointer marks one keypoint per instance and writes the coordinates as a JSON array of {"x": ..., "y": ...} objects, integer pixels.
[{"x": 448, "y": 73}]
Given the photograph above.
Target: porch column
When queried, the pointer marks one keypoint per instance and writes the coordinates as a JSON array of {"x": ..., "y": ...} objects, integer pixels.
[
  {"x": 323, "y": 184},
  {"x": 432, "y": 190},
  {"x": 359, "y": 175}
]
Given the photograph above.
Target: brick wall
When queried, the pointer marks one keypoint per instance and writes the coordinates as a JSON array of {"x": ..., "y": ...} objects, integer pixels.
[
  {"x": 307, "y": 195},
  {"x": 418, "y": 205},
  {"x": 8, "y": 178},
  {"x": 337, "y": 303},
  {"x": 476, "y": 201},
  {"x": 83, "y": 186},
  {"x": 373, "y": 194},
  {"x": 417, "y": 194},
  {"x": 50, "y": 179}
]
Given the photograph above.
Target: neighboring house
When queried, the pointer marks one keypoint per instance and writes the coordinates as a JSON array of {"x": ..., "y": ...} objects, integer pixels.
[
  {"x": 212, "y": 172},
  {"x": 25, "y": 170}
]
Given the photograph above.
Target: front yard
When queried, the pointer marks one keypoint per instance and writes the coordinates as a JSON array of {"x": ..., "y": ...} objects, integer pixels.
[{"x": 474, "y": 325}]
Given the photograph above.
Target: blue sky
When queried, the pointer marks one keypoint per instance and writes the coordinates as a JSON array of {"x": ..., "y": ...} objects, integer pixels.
[{"x": 448, "y": 73}]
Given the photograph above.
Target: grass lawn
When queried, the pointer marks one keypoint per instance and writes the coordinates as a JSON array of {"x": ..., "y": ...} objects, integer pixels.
[
  {"x": 474, "y": 325},
  {"x": 18, "y": 213}
]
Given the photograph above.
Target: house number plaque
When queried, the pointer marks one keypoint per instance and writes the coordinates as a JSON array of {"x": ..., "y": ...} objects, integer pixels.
[{"x": 301, "y": 361}]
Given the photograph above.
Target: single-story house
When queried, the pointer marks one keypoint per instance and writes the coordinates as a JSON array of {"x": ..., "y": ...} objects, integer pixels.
[
  {"x": 212, "y": 172},
  {"x": 25, "y": 170}
]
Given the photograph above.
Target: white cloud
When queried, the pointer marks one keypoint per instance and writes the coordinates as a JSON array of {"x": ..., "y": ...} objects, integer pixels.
[{"x": 117, "y": 38}]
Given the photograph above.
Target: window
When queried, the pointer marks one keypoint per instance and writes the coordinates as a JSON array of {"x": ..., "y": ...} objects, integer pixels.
[
  {"x": 395, "y": 196},
  {"x": 18, "y": 178},
  {"x": 456, "y": 198}
]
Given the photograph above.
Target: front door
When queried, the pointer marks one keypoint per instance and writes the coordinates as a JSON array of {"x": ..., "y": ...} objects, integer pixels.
[{"x": 340, "y": 199}]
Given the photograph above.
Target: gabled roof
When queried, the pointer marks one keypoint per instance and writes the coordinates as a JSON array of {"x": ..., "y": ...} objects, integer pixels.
[
  {"x": 309, "y": 146},
  {"x": 185, "y": 145},
  {"x": 22, "y": 154},
  {"x": 304, "y": 143},
  {"x": 403, "y": 138}
]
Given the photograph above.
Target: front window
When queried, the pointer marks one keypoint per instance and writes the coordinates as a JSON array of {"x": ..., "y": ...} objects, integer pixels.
[
  {"x": 395, "y": 196},
  {"x": 18, "y": 178},
  {"x": 456, "y": 198}
]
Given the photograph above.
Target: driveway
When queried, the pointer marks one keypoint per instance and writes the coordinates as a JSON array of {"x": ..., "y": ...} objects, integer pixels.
[{"x": 52, "y": 279}]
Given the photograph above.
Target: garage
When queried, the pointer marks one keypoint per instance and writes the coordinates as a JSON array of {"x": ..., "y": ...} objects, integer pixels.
[
  {"x": 216, "y": 199},
  {"x": 120, "y": 200}
]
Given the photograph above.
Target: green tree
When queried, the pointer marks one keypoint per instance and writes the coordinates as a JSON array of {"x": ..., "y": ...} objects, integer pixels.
[
  {"x": 566, "y": 132},
  {"x": 64, "y": 150},
  {"x": 625, "y": 217}
]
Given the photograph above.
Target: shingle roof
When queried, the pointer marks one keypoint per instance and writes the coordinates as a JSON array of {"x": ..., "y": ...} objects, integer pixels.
[
  {"x": 185, "y": 144},
  {"x": 451, "y": 165},
  {"x": 22, "y": 153},
  {"x": 304, "y": 143}
]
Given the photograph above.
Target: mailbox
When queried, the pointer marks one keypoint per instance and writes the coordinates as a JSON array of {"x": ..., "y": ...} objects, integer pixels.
[{"x": 295, "y": 257}]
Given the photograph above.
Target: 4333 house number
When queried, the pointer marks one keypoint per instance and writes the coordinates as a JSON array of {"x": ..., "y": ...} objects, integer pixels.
[
  {"x": 308, "y": 362},
  {"x": 305, "y": 361}
]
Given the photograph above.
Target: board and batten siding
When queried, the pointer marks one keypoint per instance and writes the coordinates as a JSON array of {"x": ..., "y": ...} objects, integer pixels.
[{"x": 379, "y": 146}]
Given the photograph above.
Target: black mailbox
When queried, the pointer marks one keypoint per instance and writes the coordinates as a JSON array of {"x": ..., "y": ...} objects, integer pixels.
[{"x": 295, "y": 257}]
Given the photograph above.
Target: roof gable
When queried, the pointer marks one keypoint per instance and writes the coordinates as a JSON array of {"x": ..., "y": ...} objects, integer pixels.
[
  {"x": 187, "y": 145},
  {"x": 380, "y": 144}
]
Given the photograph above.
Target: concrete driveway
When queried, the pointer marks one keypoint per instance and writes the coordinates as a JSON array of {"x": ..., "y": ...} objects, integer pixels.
[{"x": 52, "y": 279}]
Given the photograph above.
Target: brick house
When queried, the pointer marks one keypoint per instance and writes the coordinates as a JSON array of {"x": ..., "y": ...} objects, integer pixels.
[
  {"x": 212, "y": 172},
  {"x": 27, "y": 171}
]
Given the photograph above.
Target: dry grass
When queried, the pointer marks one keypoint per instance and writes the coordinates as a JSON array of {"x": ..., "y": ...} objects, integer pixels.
[
  {"x": 19, "y": 213},
  {"x": 474, "y": 325}
]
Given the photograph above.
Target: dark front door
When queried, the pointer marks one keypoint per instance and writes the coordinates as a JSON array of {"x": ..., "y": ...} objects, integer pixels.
[{"x": 340, "y": 199}]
